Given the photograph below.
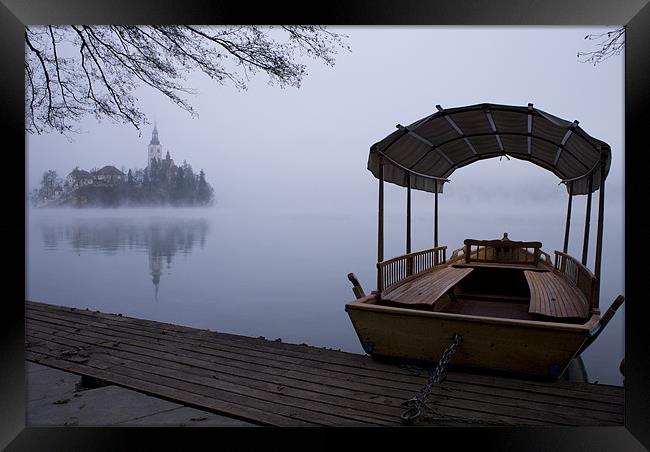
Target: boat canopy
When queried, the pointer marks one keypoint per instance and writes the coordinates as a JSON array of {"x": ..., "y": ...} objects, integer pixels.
[{"x": 432, "y": 148}]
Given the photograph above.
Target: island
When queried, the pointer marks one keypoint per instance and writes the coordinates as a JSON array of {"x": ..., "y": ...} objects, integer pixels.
[{"x": 161, "y": 183}]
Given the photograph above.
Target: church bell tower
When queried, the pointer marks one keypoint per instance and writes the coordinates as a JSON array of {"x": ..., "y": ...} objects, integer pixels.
[{"x": 155, "y": 148}]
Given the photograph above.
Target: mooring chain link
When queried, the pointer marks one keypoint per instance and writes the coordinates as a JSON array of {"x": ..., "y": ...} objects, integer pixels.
[{"x": 418, "y": 402}]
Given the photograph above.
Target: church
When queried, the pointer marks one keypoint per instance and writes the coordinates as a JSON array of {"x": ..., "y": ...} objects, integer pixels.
[
  {"x": 155, "y": 162},
  {"x": 161, "y": 182}
]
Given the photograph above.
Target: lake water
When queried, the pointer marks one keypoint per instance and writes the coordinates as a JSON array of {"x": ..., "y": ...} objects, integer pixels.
[{"x": 277, "y": 274}]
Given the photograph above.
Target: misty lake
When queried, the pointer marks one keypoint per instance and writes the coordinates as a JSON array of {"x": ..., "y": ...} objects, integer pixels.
[{"x": 277, "y": 274}]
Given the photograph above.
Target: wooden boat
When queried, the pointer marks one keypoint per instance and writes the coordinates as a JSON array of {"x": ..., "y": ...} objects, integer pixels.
[{"x": 517, "y": 308}]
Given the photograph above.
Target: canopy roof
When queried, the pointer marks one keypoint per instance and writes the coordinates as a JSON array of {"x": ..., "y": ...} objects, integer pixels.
[{"x": 433, "y": 147}]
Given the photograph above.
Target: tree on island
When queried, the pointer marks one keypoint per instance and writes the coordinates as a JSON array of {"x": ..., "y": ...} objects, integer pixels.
[
  {"x": 179, "y": 186},
  {"x": 51, "y": 184},
  {"x": 204, "y": 190},
  {"x": 77, "y": 70}
]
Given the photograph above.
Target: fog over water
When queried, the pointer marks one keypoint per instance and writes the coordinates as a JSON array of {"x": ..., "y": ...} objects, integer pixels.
[
  {"x": 296, "y": 208},
  {"x": 271, "y": 273}
]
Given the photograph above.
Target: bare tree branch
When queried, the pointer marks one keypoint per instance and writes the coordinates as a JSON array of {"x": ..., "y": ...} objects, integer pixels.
[
  {"x": 47, "y": 79},
  {"x": 32, "y": 98},
  {"x": 99, "y": 68},
  {"x": 609, "y": 44},
  {"x": 128, "y": 115}
]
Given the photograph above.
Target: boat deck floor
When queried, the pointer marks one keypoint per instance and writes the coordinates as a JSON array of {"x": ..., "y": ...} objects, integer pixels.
[
  {"x": 274, "y": 383},
  {"x": 551, "y": 296},
  {"x": 504, "y": 310}
]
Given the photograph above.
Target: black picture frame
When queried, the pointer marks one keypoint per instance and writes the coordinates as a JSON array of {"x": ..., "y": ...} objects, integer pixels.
[{"x": 635, "y": 14}]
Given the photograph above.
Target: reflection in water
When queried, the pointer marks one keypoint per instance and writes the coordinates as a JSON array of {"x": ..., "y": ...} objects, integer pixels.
[
  {"x": 274, "y": 274},
  {"x": 160, "y": 238}
]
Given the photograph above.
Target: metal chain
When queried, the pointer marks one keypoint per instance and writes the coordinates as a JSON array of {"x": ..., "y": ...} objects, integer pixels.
[{"x": 418, "y": 402}]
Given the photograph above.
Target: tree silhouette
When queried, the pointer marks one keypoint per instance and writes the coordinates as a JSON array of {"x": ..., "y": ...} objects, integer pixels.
[
  {"x": 50, "y": 183},
  {"x": 204, "y": 190},
  {"x": 78, "y": 70}
]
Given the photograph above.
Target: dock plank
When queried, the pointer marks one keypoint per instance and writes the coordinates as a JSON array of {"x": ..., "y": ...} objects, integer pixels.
[
  {"x": 275, "y": 383},
  {"x": 443, "y": 396},
  {"x": 300, "y": 351},
  {"x": 189, "y": 384},
  {"x": 400, "y": 380},
  {"x": 191, "y": 399}
]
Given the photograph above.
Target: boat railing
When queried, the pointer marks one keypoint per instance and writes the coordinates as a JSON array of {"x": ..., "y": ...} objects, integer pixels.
[
  {"x": 577, "y": 273},
  {"x": 502, "y": 251},
  {"x": 457, "y": 255},
  {"x": 394, "y": 271},
  {"x": 547, "y": 257}
]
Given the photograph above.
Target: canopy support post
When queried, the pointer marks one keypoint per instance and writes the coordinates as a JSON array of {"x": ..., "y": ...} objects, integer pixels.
[
  {"x": 585, "y": 244},
  {"x": 568, "y": 219},
  {"x": 599, "y": 237},
  {"x": 409, "y": 262},
  {"x": 380, "y": 219},
  {"x": 380, "y": 228},
  {"x": 408, "y": 214},
  {"x": 435, "y": 220}
]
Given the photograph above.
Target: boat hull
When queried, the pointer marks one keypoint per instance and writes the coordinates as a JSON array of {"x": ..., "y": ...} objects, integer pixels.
[{"x": 536, "y": 348}]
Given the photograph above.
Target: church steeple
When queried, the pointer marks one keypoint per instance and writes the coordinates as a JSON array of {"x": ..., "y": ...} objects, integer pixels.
[
  {"x": 154, "y": 135},
  {"x": 155, "y": 148}
]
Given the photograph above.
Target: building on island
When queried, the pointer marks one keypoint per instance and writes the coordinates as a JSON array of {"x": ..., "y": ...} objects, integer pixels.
[
  {"x": 78, "y": 178},
  {"x": 161, "y": 182},
  {"x": 109, "y": 175}
]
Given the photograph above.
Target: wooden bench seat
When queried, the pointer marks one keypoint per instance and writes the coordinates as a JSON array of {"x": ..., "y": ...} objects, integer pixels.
[
  {"x": 554, "y": 297},
  {"x": 428, "y": 288},
  {"x": 530, "y": 267}
]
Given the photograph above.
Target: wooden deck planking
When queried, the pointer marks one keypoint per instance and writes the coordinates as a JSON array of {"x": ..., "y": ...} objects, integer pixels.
[
  {"x": 222, "y": 390},
  {"x": 272, "y": 375},
  {"x": 241, "y": 357},
  {"x": 291, "y": 382},
  {"x": 272, "y": 382},
  {"x": 427, "y": 288},
  {"x": 174, "y": 394},
  {"x": 552, "y": 296},
  {"x": 241, "y": 375},
  {"x": 244, "y": 343},
  {"x": 520, "y": 404},
  {"x": 276, "y": 344},
  {"x": 360, "y": 362}
]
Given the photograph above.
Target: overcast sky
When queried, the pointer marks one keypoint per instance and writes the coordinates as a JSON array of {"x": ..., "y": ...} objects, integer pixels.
[{"x": 308, "y": 147}]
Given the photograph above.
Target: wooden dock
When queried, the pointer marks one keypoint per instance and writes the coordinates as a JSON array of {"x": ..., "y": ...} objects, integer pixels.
[{"x": 273, "y": 383}]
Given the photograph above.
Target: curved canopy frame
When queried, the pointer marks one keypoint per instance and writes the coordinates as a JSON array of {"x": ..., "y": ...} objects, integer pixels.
[{"x": 432, "y": 148}]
